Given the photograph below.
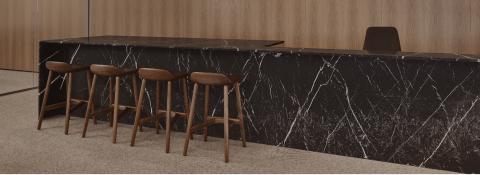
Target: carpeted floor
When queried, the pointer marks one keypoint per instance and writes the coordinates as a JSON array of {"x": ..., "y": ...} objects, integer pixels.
[
  {"x": 16, "y": 80},
  {"x": 24, "y": 149}
]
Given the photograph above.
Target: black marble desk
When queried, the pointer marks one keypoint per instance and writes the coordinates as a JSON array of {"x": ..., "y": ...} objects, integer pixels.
[{"x": 419, "y": 109}]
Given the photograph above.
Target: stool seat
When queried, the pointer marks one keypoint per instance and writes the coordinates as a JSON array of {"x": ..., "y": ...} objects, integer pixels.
[
  {"x": 63, "y": 67},
  {"x": 214, "y": 79},
  {"x": 111, "y": 71},
  {"x": 160, "y": 74}
]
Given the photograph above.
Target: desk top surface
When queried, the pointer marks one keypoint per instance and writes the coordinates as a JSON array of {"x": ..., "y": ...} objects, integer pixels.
[{"x": 252, "y": 45}]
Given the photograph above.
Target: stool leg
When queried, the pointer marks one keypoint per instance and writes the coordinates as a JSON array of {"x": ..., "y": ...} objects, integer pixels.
[
  {"x": 190, "y": 119},
  {"x": 135, "y": 91},
  {"x": 169, "y": 109},
  {"x": 225, "y": 122},
  {"x": 207, "y": 96},
  {"x": 240, "y": 113},
  {"x": 69, "y": 101},
  {"x": 45, "y": 97},
  {"x": 115, "y": 111},
  {"x": 157, "y": 107},
  {"x": 89, "y": 87},
  {"x": 185, "y": 96},
  {"x": 138, "y": 111},
  {"x": 110, "y": 115},
  {"x": 89, "y": 105}
]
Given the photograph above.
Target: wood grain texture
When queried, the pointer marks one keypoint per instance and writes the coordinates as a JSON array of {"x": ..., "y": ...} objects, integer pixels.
[
  {"x": 16, "y": 30},
  {"x": 340, "y": 24},
  {"x": 475, "y": 26},
  {"x": 407, "y": 17},
  {"x": 247, "y": 19},
  {"x": 424, "y": 25},
  {"x": 57, "y": 19},
  {"x": 137, "y": 18},
  {"x": 441, "y": 26},
  {"x": 111, "y": 17}
]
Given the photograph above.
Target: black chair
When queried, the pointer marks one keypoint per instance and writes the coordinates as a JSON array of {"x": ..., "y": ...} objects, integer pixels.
[{"x": 382, "y": 39}]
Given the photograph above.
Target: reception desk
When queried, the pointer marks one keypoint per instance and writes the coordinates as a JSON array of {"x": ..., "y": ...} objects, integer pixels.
[{"x": 419, "y": 109}]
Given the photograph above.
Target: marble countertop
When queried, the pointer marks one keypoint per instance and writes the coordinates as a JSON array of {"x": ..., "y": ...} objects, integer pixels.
[{"x": 252, "y": 45}]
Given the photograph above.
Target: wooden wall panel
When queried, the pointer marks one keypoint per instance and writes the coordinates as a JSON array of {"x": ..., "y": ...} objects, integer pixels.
[
  {"x": 424, "y": 25},
  {"x": 431, "y": 25},
  {"x": 159, "y": 18},
  {"x": 137, "y": 18},
  {"x": 112, "y": 17},
  {"x": 16, "y": 27},
  {"x": 23, "y": 23},
  {"x": 57, "y": 19},
  {"x": 475, "y": 26},
  {"x": 407, "y": 17},
  {"x": 3, "y": 32},
  {"x": 340, "y": 24},
  {"x": 448, "y": 26},
  {"x": 277, "y": 20},
  {"x": 247, "y": 19},
  {"x": 203, "y": 19}
]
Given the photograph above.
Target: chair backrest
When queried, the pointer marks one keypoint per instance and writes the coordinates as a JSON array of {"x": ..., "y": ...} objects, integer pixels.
[
  {"x": 382, "y": 39},
  {"x": 207, "y": 78}
]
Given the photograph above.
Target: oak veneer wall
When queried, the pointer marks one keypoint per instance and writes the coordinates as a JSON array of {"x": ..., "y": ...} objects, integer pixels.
[
  {"x": 16, "y": 34},
  {"x": 23, "y": 23},
  {"x": 57, "y": 19},
  {"x": 444, "y": 26}
]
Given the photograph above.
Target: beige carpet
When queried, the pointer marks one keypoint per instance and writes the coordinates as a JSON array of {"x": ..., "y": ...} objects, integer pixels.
[
  {"x": 16, "y": 80},
  {"x": 23, "y": 149}
]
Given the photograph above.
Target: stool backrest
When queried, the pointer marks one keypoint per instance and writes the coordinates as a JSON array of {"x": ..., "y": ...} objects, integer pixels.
[
  {"x": 155, "y": 74},
  {"x": 382, "y": 39},
  {"x": 105, "y": 70},
  {"x": 207, "y": 78},
  {"x": 60, "y": 67}
]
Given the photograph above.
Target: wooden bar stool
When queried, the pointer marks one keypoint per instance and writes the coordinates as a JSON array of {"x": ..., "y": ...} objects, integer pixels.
[
  {"x": 159, "y": 75},
  {"x": 214, "y": 79},
  {"x": 110, "y": 71},
  {"x": 69, "y": 69}
]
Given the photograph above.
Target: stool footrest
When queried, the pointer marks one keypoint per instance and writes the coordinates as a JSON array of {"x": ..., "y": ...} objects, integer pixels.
[
  {"x": 124, "y": 107},
  {"x": 101, "y": 111},
  {"x": 77, "y": 101},
  {"x": 155, "y": 117},
  {"x": 63, "y": 104},
  {"x": 214, "y": 120},
  {"x": 122, "y": 114},
  {"x": 78, "y": 105},
  {"x": 55, "y": 106},
  {"x": 221, "y": 119},
  {"x": 202, "y": 125}
]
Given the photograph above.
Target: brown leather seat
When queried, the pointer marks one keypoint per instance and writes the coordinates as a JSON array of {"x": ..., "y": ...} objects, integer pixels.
[
  {"x": 160, "y": 74},
  {"x": 111, "y": 71},
  {"x": 63, "y": 67},
  {"x": 214, "y": 79}
]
